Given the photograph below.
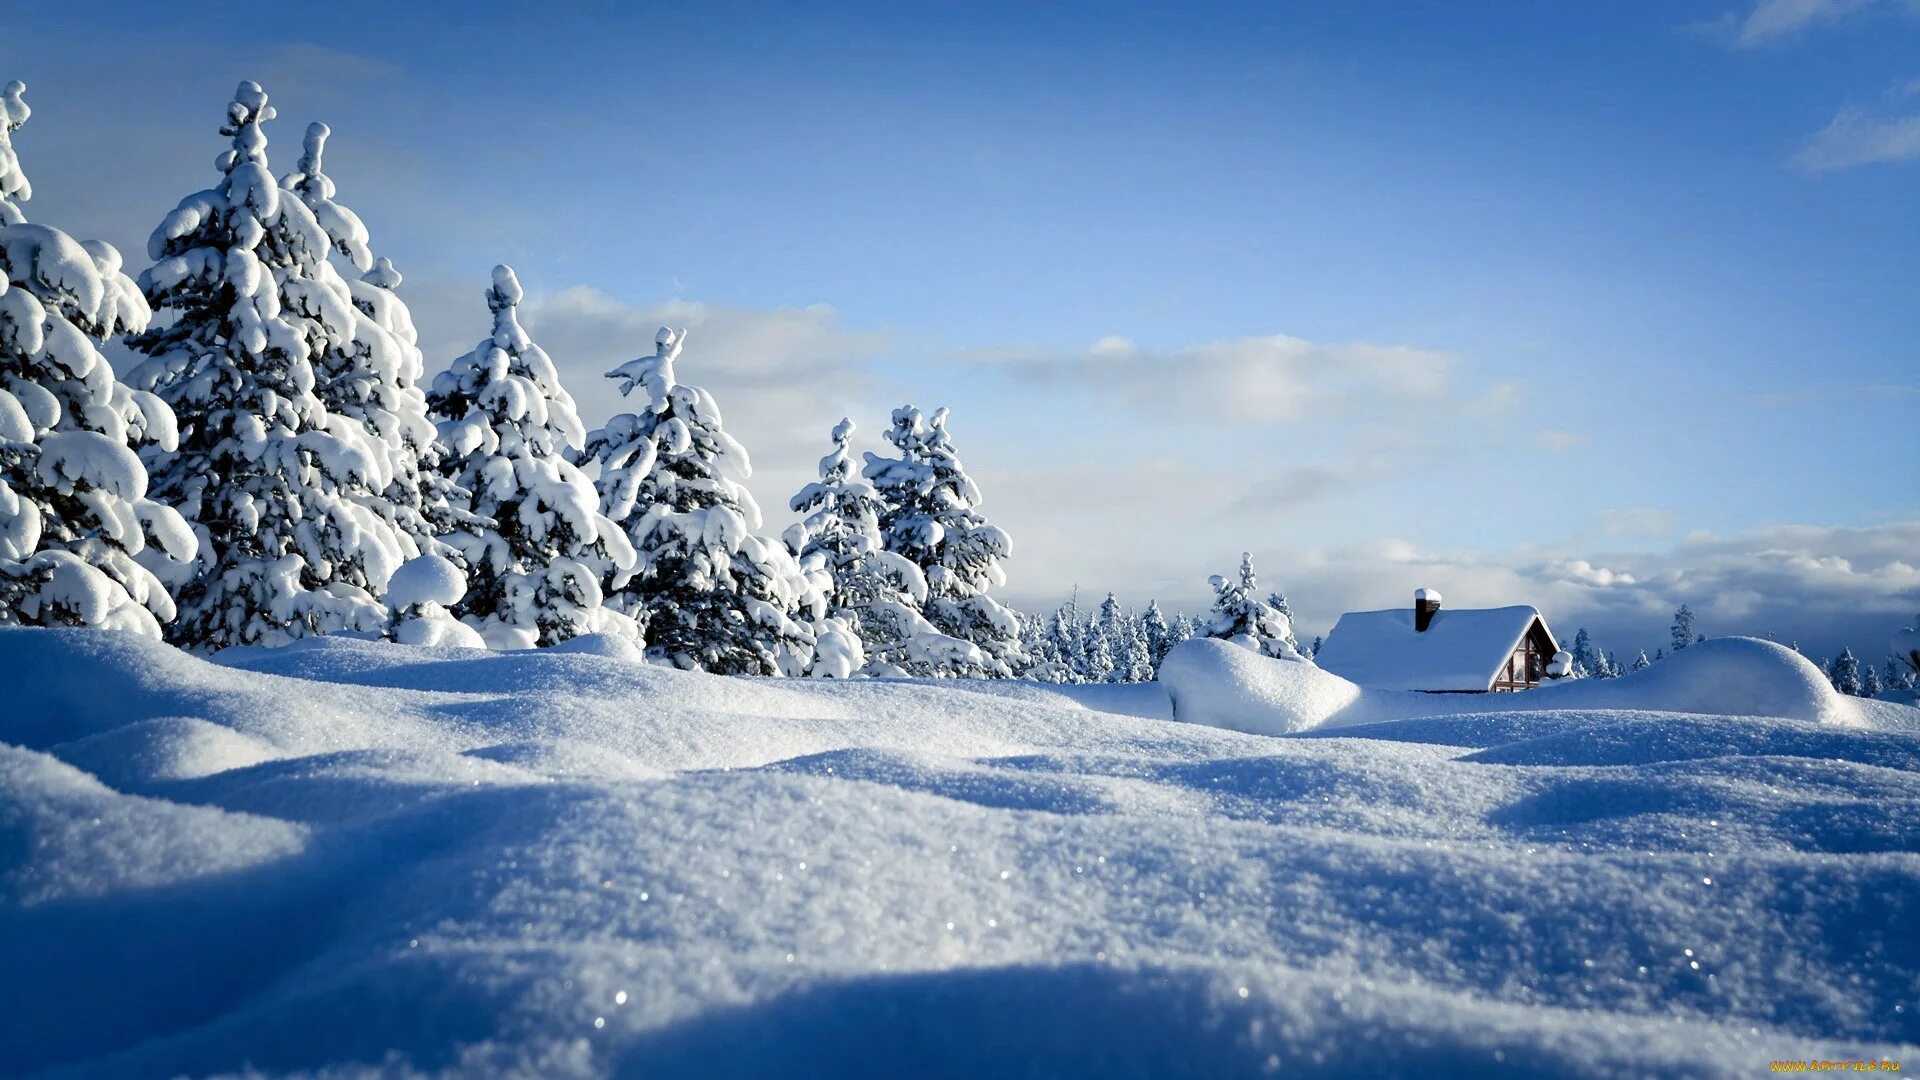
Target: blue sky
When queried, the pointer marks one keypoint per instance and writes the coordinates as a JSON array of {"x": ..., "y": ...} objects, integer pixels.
[{"x": 1600, "y": 307}]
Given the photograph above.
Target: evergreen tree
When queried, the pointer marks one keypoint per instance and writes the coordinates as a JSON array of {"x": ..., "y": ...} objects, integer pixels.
[
  {"x": 373, "y": 374},
  {"x": 1096, "y": 652},
  {"x": 1640, "y": 662},
  {"x": 871, "y": 592},
  {"x": 1844, "y": 672},
  {"x": 1159, "y": 634},
  {"x": 1588, "y": 663},
  {"x": 1058, "y": 659},
  {"x": 1314, "y": 649},
  {"x": 538, "y": 572},
  {"x": 273, "y": 485},
  {"x": 1184, "y": 629},
  {"x": 1682, "y": 630},
  {"x": 1240, "y": 615},
  {"x": 712, "y": 594},
  {"x": 1897, "y": 674},
  {"x": 1135, "y": 658},
  {"x": 1661, "y": 654},
  {"x": 73, "y": 508},
  {"x": 1869, "y": 681},
  {"x": 929, "y": 517},
  {"x": 1109, "y": 625}
]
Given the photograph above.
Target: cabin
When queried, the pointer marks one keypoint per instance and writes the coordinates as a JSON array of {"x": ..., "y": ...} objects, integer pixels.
[{"x": 1436, "y": 651}]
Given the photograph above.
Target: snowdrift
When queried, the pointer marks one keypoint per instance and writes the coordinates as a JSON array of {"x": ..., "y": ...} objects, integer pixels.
[
  {"x": 1215, "y": 683},
  {"x": 358, "y": 858}
]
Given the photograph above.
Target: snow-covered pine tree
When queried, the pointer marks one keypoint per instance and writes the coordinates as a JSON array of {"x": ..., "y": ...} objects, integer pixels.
[
  {"x": 1096, "y": 651},
  {"x": 373, "y": 375},
  {"x": 1587, "y": 662},
  {"x": 1127, "y": 655},
  {"x": 1897, "y": 674},
  {"x": 711, "y": 594},
  {"x": 1869, "y": 681},
  {"x": 1184, "y": 629},
  {"x": 1640, "y": 662},
  {"x": 871, "y": 592},
  {"x": 538, "y": 574},
  {"x": 269, "y": 480},
  {"x": 929, "y": 516},
  {"x": 1050, "y": 646},
  {"x": 73, "y": 508},
  {"x": 1159, "y": 634},
  {"x": 1682, "y": 629},
  {"x": 1844, "y": 672},
  {"x": 1110, "y": 625},
  {"x": 1314, "y": 649},
  {"x": 1135, "y": 658},
  {"x": 1239, "y": 615}
]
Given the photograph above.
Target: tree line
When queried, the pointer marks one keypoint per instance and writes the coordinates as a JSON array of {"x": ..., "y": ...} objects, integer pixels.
[{"x": 278, "y": 465}]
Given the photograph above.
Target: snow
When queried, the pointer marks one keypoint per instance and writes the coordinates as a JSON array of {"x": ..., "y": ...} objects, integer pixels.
[
  {"x": 363, "y": 858},
  {"x": 1462, "y": 649},
  {"x": 1216, "y": 683},
  {"x": 426, "y": 579}
]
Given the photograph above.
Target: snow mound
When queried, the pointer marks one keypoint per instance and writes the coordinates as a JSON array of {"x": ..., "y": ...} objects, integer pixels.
[
  {"x": 350, "y": 857},
  {"x": 164, "y": 748},
  {"x": 70, "y": 837},
  {"x": 1214, "y": 683},
  {"x": 1724, "y": 677},
  {"x": 1220, "y": 684},
  {"x": 426, "y": 579}
]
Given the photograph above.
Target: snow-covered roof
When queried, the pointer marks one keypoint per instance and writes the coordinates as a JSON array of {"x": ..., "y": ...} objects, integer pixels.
[{"x": 1463, "y": 649}]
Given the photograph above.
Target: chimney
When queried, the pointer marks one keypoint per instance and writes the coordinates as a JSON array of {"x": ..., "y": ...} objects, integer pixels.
[{"x": 1426, "y": 604}]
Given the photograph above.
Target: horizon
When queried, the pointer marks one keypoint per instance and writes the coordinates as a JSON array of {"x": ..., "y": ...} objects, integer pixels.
[{"x": 1449, "y": 303}]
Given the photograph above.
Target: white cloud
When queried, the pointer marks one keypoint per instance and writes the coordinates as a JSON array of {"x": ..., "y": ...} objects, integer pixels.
[
  {"x": 1774, "y": 20},
  {"x": 1261, "y": 380},
  {"x": 1825, "y": 585},
  {"x": 1855, "y": 138}
]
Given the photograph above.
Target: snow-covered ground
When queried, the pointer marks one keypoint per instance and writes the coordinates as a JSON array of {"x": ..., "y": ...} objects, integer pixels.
[{"x": 345, "y": 855}]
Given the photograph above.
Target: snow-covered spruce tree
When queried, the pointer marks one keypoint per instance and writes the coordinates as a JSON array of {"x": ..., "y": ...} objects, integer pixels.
[
  {"x": 876, "y": 594},
  {"x": 1844, "y": 672},
  {"x": 1682, "y": 630},
  {"x": 1159, "y": 634},
  {"x": 710, "y": 593},
  {"x": 271, "y": 482},
  {"x": 1240, "y": 616},
  {"x": 1134, "y": 659},
  {"x": 372, "y": 375},
  {"x": 537, "y": 574},
  {"x": 1588, "y": 662},
  {"x": 73, "y": 508},
  {"x": 929, "y": 517},
  {"x": 1048, "y": 644},
  {"x": 1870, "y": 685},
  {"x": 1640, "y": 662},
  {"x": 1897, "y": 674},
  {"x": 1185, "y": 628}
]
